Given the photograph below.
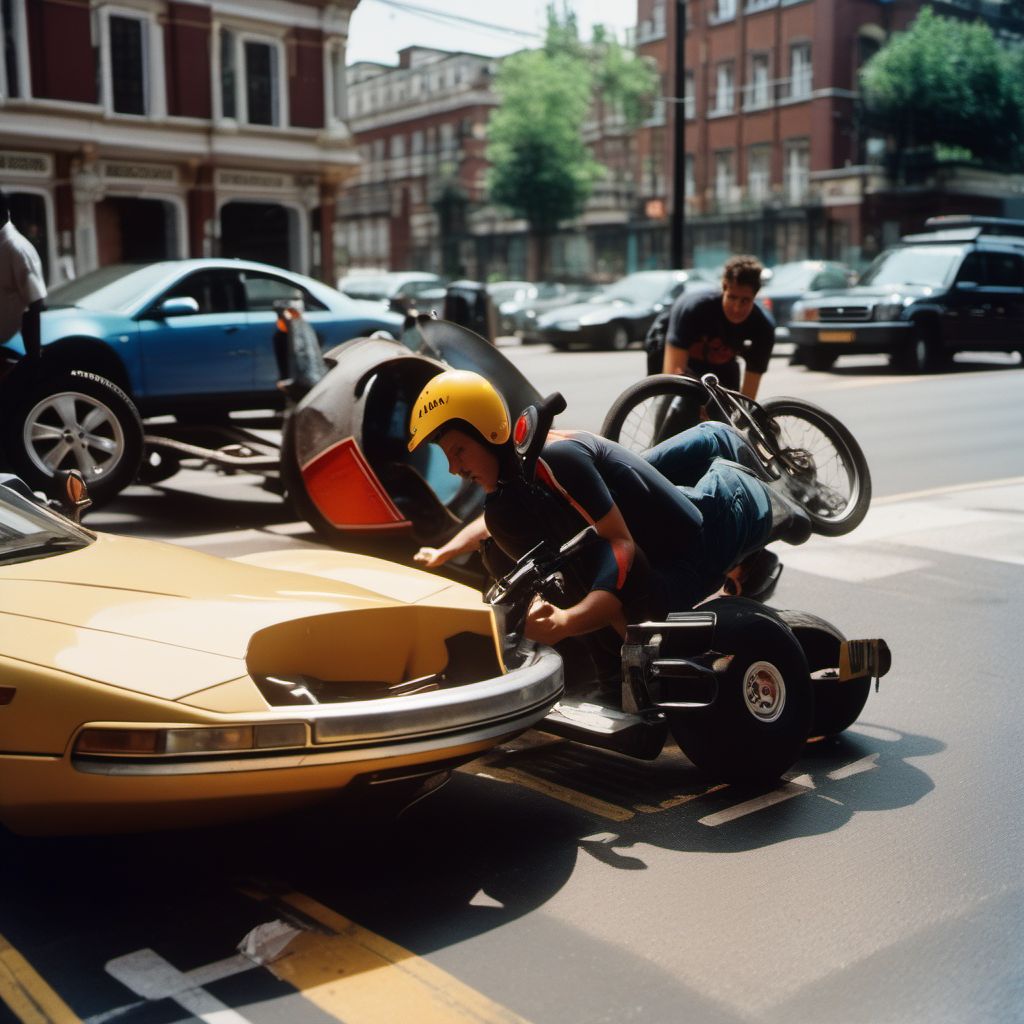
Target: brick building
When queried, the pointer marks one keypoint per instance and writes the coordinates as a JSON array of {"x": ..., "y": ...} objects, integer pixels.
[
  {"x": 421, "y": 130},
  {"x": 138, "y": 130},
  {"x": 775, "y": 161}
]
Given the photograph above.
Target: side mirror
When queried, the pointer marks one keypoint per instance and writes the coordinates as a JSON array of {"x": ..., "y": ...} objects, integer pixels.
[
  {"x": 182, "y": 305},
  {"x": 76, "y": 495}
]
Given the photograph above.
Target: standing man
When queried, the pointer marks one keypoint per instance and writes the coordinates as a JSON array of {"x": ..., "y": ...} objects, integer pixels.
[
  {"x": 22, "y": 288},
  {"x": 707, "y": 330}
]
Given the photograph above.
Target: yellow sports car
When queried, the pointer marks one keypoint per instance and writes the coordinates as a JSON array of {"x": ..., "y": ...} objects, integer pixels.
[{"x": 143, "y": 685}]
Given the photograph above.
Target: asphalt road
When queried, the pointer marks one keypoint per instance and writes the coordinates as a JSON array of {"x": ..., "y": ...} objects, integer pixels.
[{"x": 552, "y": 883}]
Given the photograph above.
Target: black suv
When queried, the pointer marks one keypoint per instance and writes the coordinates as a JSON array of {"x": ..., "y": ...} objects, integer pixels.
[{"x": 956, "y": 287}]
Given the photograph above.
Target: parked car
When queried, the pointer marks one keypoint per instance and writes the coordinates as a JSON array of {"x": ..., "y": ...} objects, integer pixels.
[
  {"x": 619, "y": 315},
  {"x": 522, "y": 316},
  {"x": 190, "y": 337},
  {"x": 788, "y": 282},
  {"x": 149, "y": 686},
  {"x": 956, "y": 287},
  {"x": 398, "y": 290}
]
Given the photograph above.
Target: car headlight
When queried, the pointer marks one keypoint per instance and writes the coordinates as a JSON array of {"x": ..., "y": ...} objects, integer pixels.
[
  {"x": 802, "y": 311},
  {"x": 891, "y": 309},
  {"x": 142, "y": 741}
]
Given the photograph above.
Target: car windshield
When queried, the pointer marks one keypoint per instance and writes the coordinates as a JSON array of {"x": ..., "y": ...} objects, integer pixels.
[
  {"x": 28, "y": 531},
  {"x": 928, "y": 265},
  {"x": 794, "y": 277},
  {"x": 115, "y": 288},
  {"x": 639, "y": 289}
]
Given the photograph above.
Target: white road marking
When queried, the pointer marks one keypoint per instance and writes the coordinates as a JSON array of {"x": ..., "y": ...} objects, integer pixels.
[
  {"x": 150, "y": 976},
  {"x": 776, "y": 796},
  {"x": 865, "y": 764},
  {"x": 266, "y": 942}
]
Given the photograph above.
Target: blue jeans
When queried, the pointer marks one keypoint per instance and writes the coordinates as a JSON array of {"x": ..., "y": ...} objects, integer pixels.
[{"x": 736, "y": 508}]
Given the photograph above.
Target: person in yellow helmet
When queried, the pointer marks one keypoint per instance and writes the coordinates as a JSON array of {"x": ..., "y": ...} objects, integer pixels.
[{"x": 674, "y": 522}]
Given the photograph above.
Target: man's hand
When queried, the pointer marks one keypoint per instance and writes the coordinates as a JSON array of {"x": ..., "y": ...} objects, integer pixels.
[
  {"x": 430, "y": 558},
  {"x": 546, "y": 623}
]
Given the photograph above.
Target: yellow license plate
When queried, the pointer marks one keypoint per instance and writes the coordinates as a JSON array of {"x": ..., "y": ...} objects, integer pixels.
[{"x": 835, "y": 335}]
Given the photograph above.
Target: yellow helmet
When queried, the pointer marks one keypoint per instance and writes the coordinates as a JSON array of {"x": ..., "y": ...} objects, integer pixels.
[{"x": 459, "y": 395}]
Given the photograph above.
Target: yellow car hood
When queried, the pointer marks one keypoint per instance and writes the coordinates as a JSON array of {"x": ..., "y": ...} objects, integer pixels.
[{"x": 167, "y": 621}]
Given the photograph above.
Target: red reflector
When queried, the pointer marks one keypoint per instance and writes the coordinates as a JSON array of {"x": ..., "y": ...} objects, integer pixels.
[
  {"x": 7, "y": 694},
  {"x": 522, "y": 428},
  {"x": 346, "y": 491}
]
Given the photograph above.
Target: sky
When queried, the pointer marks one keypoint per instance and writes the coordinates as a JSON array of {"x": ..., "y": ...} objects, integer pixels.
[{"x": 380, "y": 28}]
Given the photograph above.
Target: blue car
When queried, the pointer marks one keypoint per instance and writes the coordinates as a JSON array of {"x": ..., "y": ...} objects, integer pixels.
[{"x": 194, "y": 338}]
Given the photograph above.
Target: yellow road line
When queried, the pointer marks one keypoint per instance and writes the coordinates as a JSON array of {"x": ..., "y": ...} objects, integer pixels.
[
  {"x": 591, "y": 804},
  {"x": 977, "y": 485},
  {"x": 361, "y": 978},
  {"x": 29, "y": 997}
]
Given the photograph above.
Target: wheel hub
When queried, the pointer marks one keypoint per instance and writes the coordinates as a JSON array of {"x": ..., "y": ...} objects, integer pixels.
[{"x": 764, "y": 691}]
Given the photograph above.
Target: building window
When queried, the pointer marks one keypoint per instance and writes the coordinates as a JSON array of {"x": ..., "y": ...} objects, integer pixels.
[
  {"x": 800, "y": 70},
  {"x": 13, "y": 50},
  {"x": 689, "y": 183},
  {"x": 724, "y": 10},
  {"x": 724, "y": 175},
  {"x": 251, "y": 83},
  {"x": 724, "y": 88},
  {"x": 759, "y": 172},
  {"x": 128, "y": 65},
  {"x": 796, "y": 171},
  {"x": 758, "y": 91},
  {"x": 132, "y": 67}
]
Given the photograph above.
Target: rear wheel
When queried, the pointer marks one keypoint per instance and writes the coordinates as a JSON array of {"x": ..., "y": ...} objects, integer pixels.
[
  {"x": 819, "y": 358},
  {"x": 757, "y": 726},
  {"x": 76, "y": 420},
  {"x": 619, "y": 340},
  {"x": 837, "y": 704},
  {"x": 652, "y": 409}
]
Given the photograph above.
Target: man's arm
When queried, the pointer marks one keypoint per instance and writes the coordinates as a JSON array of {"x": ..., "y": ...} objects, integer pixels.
[
  {"x": 676, "y": 359},
  {"x": 469, "y": 538},
  {"x": 751, "y": 382},
  {"x": 548, "y": 624}
]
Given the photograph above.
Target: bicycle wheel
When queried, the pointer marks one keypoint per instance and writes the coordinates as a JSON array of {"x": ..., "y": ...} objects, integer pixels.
[
  {"x": 823, "y": 467},
  {"x": 652, "y": 409}
]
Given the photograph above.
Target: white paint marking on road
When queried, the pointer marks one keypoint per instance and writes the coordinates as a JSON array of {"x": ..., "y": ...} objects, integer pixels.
[
  {"x": 776, "y": 796},
  {"x": 865, "y": 764},
  {"x": 150, "y": 976},
  {"x": 481, "y": 899},
  {"x": 838, "y": 565}
]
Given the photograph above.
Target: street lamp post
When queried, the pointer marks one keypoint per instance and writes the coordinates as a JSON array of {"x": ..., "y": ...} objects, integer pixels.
[{"x": 678, "y": 213}]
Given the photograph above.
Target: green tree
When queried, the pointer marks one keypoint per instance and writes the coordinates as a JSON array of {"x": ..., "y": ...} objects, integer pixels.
[
  {"x": 947, "y": 83},
  {"x": 541, "y": 167}
]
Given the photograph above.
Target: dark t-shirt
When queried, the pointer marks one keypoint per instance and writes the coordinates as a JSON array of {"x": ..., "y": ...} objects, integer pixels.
[
  {"x": 582, "y": 476},
  {"x": 699, "y": 324}
]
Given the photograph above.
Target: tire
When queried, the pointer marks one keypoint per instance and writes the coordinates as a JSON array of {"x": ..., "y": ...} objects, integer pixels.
[
  {"x": 819, "y": 358},
  {"x": 76, "y": 420},
  {"x": 646, "y": 412},
  {"x": 757, "y": 725},
  {"x": 833, "y": 483},
  {"x": 925, "y": 354},
  {"x": 837, "y": 705},
  {"x": 619, "y": 339}
]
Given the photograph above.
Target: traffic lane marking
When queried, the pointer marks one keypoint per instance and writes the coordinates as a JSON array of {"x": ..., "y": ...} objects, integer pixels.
[
  {"x": 362, "y": 978},
  {"x": 25, "y": 992}
]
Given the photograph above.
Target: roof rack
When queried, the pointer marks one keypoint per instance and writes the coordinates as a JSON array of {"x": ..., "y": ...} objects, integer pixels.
[{"x": 988, "y": 225}]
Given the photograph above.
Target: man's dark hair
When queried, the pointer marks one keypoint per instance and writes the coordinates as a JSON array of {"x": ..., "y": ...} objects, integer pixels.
[
  {"x": 743, "y": 270},
  {"x": 5, "y": 208}
]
